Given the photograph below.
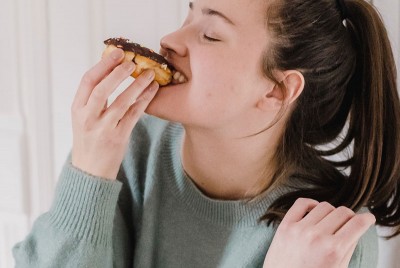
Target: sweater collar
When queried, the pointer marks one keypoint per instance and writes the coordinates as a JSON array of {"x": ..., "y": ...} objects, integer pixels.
[{"x": 243, "y": 213}]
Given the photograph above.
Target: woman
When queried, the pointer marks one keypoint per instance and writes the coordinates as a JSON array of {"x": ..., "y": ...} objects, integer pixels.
[{"x": 269, "y": 85}]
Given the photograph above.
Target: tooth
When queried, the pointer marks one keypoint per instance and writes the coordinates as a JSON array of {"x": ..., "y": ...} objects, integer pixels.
[
  {"x": 181, "y": 79},
  {"x": 177, "y": 75}
]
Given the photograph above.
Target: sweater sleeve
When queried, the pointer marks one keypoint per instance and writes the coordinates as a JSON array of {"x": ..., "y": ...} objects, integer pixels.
[{"x": 80, "y": 227}]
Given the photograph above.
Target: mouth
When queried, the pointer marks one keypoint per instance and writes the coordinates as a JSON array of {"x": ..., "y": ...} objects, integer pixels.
[{"x": 178, "y": 77}]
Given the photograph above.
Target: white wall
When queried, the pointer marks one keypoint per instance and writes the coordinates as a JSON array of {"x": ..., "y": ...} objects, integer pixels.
[{"x": 45, "y": 47}]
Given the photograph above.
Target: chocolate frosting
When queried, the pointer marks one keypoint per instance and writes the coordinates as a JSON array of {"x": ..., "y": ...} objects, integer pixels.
[{"x": 127, "y": 45}]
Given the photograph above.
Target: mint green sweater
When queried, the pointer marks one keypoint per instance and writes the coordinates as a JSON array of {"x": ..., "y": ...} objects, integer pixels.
[{"x": 153, "y": 216}]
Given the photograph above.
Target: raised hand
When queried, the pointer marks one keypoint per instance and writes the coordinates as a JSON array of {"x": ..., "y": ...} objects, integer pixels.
[
  {"x": 101, "y": 133},
  {"x": 314, "y": 234}
]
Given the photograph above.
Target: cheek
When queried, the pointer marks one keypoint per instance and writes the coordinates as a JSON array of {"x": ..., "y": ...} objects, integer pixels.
[
  {"x": 218, "y": 101},
  {"x": 222, "y": 81},
  {"x": 218, "y": 79}
]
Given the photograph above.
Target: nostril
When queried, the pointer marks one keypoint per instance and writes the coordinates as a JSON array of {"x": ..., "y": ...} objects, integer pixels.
[
  {"x": 163, "y": 52},
  {"x": 167, "y": 53}
]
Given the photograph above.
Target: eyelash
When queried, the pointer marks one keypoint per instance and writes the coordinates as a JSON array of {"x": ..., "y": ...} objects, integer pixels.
[{"x": 210, "y": 39}]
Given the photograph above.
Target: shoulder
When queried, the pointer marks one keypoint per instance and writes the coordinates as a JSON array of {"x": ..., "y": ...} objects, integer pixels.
[{"x": 366, "y": 252}]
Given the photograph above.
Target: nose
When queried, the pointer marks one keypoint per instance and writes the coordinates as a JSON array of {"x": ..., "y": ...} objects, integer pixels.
[{"x": 174, "y": 44}]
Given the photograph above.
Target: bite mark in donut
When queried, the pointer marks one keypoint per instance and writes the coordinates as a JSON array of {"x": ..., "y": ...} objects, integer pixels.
[{"x": 145, "y": 59}]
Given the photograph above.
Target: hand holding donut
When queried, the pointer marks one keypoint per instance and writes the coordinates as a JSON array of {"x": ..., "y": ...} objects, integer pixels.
[
  {"x": 101, "y": 133},
  {"x": 314, "y": 234}
]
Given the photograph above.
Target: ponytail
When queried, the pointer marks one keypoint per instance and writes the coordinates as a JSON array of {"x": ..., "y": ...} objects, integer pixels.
[
  {"x": 375, "y": 117},
  {"x": 350, "y": 90}
]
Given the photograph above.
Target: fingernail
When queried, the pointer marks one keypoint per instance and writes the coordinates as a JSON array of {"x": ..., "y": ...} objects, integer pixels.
[
  {"x": 149, "y": 74},
  {"x": 116, "y": 54}
]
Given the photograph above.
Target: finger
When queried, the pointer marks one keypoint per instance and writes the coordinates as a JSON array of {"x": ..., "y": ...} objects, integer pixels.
[
  {"x": 318, "y": 213},
  {"x": 335, "y": 220},
  {"x": 132, "y": 116},
  {"x": 125, "y": 100},
  {"x": 300, "y": 208},
  {"x": 105, "y": 88},
  {"x": 95, "y": 75},
  {"x": 355, "y": 228}
]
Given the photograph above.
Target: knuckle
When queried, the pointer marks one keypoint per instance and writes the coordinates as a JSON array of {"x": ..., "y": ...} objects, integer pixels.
[
  {"x": 372, "y": 218},
  {"x": 124, "y": 107},
  {"x": 316, "y": 239},
  {"x": 140, "y": 83},
  {"x": 133, "y": 111},
  {"x": 99, "y": 95},
  {"x": 345, "y": 211},
  {"x": 145, "y": 98},
  {"x": 301, "y": 200},
  {"x": 359, "y": 220},
  {"x": 87, "y": 79},
  {"x": 295, "y": 230},
  {"x": 106, "y": 62},
  {"x": 304, "y": 201},
  {"x": 327, "y": 205}
]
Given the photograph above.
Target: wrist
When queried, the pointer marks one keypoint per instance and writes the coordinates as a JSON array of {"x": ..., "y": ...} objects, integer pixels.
[{"x": 98, "y": 169}]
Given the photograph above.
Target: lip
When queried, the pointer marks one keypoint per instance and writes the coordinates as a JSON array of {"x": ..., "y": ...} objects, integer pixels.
[
  {"x": 167, "y": 56},
  {"x": 174, "y": 87}
]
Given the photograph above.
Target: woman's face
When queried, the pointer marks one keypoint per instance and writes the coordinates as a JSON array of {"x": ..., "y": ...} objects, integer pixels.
[{"x": 219, "y": 49}]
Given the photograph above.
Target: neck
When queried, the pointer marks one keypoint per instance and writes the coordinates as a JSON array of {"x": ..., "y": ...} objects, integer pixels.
[{"x": 228, "y": 168}]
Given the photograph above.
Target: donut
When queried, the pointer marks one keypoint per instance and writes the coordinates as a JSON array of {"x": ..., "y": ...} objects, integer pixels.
[{"x": 144, "y": 58}]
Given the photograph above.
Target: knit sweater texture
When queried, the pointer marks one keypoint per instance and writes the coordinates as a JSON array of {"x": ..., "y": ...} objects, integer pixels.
[{"x": 153, "y": 215}]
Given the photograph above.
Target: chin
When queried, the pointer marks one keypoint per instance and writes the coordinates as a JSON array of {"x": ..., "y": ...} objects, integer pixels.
[{"x": 169, "y": 103}]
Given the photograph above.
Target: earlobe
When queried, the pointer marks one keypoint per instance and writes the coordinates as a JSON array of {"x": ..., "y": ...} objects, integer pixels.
[{"x": 284, "y": 93}]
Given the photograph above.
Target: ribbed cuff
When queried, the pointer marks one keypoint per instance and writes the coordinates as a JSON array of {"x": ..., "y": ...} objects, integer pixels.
[{"x": 84, "y": 205}]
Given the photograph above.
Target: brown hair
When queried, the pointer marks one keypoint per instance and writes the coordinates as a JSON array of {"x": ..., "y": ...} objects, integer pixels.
[{"x": 350, "y": 101}]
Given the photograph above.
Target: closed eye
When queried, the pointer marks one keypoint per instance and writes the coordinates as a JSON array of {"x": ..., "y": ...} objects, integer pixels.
[{"x": 210, "y": 39}]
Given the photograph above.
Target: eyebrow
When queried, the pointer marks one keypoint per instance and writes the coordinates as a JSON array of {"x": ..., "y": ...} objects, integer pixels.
[{"x": 211, "y": 12}]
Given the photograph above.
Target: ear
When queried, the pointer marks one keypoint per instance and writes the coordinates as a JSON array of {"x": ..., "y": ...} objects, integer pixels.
[{"x": 290, "y": 87}]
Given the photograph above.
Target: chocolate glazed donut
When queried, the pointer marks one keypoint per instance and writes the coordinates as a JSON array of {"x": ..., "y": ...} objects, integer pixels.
[{"x": 144, "y": 59}]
